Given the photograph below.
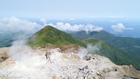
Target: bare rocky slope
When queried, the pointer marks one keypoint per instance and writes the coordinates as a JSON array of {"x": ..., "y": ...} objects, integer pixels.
[{"x": 67, "y": 62}]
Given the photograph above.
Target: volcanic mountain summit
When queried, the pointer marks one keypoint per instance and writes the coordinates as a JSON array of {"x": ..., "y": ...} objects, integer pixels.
[{"x": 63, "y": 58}]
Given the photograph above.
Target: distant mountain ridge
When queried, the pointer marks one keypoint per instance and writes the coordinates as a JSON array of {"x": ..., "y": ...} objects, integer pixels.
[
  {"x": 6, "y": 38},
  {"x": 81, "y": 35},
  {"x": 126, "y": 44}
]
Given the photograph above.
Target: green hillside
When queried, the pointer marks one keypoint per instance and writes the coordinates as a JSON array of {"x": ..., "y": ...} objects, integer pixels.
[
  {"x": 53, "y": 36},
  {"x": 102, "y": 35},
  {"x": 114, "y": 54},
  {"x": 127, "y": 44},
  {"x": 6, "y": 38}
]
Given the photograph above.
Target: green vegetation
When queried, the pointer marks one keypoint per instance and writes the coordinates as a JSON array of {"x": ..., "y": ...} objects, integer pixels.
[
  {"x": 102, "y": 35},
  {"x": 120, "y": 50},
  {"x": 127, "y": 44},
  {"x": 54, "y": 36},
  {"x": 114, "y": 54},
  {"x": 6, "y": 39},
  {"x": 127, "y": 48}
]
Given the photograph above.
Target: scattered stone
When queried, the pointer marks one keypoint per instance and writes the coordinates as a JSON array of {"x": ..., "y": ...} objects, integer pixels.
[
  {"x": 60, "y": 67},
  {"x": 47, "y": 54}
]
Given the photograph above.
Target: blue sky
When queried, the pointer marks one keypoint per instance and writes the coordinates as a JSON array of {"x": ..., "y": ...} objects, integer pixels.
[
  {"x": 69, "y": 8},
  {"x": 115, "y": 16}
]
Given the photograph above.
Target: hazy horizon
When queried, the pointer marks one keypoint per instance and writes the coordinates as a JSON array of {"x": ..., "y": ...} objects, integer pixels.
[{"x": 119, "y": 17}]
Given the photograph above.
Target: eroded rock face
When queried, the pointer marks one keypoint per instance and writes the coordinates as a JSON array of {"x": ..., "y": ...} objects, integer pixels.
[
  {"x": 60, "y": 64},
  {"x": 3, "y": 54}
]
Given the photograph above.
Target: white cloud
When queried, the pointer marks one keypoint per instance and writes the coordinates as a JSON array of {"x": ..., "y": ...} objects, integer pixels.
[
  {"x": 43, "y": 20},
  {"x": 16, "y": 24},
  {"x": 120, "y": 27},
  {"x": 77, "y": 27}
]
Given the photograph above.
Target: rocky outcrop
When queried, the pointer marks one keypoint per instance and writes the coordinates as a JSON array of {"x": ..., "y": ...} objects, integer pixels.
[{"x": 56, "y": 63}]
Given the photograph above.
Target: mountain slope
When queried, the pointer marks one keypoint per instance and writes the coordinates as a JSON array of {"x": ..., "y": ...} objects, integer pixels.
[
  {"x": 54, "y": 36},
  {"x": 128, "y": 44},
  {"x": 61, "y": 65},
  {"x": 6, "y": 38},
  {"x": 114, "y": 54},
  {"x": 81, "y": 35}
]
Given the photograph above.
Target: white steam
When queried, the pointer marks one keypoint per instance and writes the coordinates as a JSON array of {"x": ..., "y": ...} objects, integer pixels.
[
  {"x": 82, "y": 52},
  {"x": 93, "y": 48},
  {"x": 24, "y": 55}
]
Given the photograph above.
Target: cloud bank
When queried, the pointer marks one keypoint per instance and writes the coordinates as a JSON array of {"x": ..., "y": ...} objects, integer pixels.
[
  {"x": 120, "y": 27},
  {"x": 76, "y": 27},
  {"x": 16, "y": 24}
]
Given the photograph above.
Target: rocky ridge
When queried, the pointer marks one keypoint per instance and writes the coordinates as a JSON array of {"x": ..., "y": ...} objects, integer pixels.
[{"x": 69, "y": 62}]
